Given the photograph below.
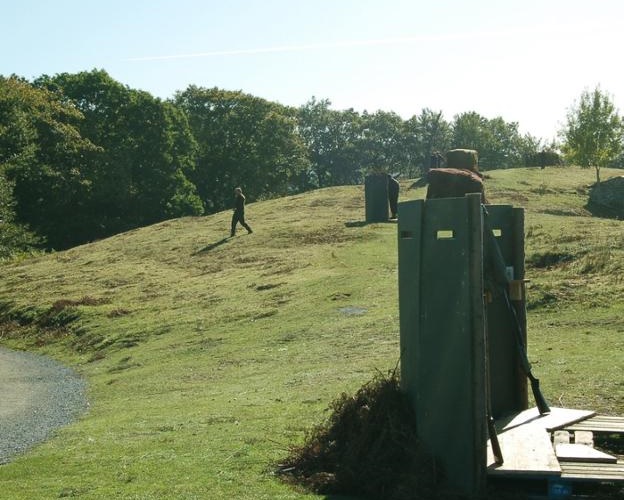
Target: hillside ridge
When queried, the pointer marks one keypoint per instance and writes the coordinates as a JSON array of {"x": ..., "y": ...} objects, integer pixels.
[{"x": 207, "y": 357}]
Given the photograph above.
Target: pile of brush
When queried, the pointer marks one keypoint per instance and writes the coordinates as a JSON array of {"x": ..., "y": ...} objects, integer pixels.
[{"x": 367, "y": 447}]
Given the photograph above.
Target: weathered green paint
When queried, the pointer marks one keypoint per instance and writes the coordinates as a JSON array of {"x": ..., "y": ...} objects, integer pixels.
[
  {"x": 442, "y": 332},
  {"x": 508, "y": 381},
  {"x": 410, "y": 238},
  {"x": 444, "y": 320},
  {"x": 376, "y": 198}
]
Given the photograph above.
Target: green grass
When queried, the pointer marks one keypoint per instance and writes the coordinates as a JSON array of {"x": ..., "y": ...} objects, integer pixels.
[{"x": 207, "y": 358}]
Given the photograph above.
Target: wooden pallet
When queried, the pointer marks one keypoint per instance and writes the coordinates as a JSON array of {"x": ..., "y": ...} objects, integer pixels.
[
  {"x": 599, "y": 423},
  {"x": 529, "y": 444},
  {"x": 592, "y": 472}
]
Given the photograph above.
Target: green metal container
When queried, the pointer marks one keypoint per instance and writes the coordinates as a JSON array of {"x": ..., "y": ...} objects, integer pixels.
[{"x": 376, "y": 198}]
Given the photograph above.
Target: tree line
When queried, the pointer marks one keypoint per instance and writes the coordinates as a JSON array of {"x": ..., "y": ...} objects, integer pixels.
[{"x": 83, "y": 156}]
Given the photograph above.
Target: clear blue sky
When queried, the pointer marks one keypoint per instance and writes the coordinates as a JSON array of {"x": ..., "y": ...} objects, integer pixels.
[{"x": 527, "y": 61}]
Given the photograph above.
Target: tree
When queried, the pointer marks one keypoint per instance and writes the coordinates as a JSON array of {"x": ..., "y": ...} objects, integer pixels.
[
  {"x": 469, "y": 131},
  {"x": 15, "y": 238},
  {"x": 498, "y": 142},
  {"x": 382, "y": 142},
  {"x": 242, "y": 140},
  {"x": 427, "y": 134},
  {"x": 41, "y": 159},
  {"x": 504, "y": 148},
  {"x": 140, "y": 174},
  {"x": 538, "y": 154},
  {"x": 331, "y": 138},
  {"x": 594, "y": 131}
]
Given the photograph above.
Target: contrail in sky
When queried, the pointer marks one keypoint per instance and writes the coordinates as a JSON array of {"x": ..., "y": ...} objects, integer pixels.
[
  {"x": 293, "y": 48},
  {"x": 356, "y": 43}
]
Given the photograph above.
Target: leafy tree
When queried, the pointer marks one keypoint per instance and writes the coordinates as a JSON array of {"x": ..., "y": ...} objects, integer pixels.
[
  {"x": 540, "y": 155},
  {"x": 382, "y": 142},
  {"x": 427, "y": 134},
  {"x": 469, "y": 130},
  {"x": 243, "y": 140},
  {"x": 41, "y": 159},
  {"x": 15, "y": 238},
  {"x": 163, "y": 159},
  {"x": 140, "y": 173},
  {"x": 332, "y": 140},
  {"x": 499, "y": 143},
  {"x": 504, "y": 146},
  {"x": 313, "y": 126},
  {"x": 345, "y": 145},
  {"x": 594, "y": 131}
]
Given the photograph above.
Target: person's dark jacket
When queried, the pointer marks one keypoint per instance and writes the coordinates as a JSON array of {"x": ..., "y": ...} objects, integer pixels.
[{"x": 239, "y": 203}]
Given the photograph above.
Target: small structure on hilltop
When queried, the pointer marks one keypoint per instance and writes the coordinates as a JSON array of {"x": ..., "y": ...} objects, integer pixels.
[
  {"x": 376, "y": 197},
  {"x": 381, "y": 193}
]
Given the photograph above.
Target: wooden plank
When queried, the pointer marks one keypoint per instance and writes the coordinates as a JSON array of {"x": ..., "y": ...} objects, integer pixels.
[
  {"x": 567, "y": 452},
  {"x": 612, "y": 418},
  {"x": 593, "y": 472},
  {"x": 600, "y": 423},
  {"x": 558, "y": 418},
  {"x": 527, "y": 450}
]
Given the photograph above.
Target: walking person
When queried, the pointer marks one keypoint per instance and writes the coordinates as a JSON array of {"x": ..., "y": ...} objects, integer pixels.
[{"x": 239, "y": 212}]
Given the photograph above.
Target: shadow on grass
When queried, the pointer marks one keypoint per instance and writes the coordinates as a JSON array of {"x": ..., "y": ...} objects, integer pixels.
[
  {"x": 363, "y": 223},
  {"x": 212, "y": 246},
  {"x": 422, "y": 182},
  {"x": 356, "y": 223}
]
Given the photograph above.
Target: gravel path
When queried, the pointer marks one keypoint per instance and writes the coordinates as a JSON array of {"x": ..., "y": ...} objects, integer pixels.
[{"x": 37, "y": 396}]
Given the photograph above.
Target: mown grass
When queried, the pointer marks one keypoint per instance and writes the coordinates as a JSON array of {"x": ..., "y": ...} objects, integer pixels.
[{"x": 208, "y": 357}]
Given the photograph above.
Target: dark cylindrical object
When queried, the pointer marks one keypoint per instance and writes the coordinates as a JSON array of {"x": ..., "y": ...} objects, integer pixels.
[{"x": 376, "y": 197}]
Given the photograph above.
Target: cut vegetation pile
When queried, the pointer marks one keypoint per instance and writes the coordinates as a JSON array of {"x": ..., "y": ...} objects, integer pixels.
[{"x": 368, "y": 447}]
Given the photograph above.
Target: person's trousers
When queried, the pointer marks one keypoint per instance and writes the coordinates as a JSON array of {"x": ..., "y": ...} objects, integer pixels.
[{"x": 236, "y": 218}]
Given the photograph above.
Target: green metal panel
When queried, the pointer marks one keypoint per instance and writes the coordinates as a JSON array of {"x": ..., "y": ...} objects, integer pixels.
[
  {"x": 376, "y": 198},
  {"x": 518, "y": 263},
  {"x": 508, "y": 382},
  {"x": 442, "y": 332},
  {"x": 410, "y": 225}
]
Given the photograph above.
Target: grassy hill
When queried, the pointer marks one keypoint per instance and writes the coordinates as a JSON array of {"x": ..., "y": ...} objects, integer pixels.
[{"x": 207, "y": 358}]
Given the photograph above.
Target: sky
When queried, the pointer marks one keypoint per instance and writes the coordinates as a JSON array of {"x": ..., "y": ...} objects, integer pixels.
[{"x": 525, "y": 61}]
